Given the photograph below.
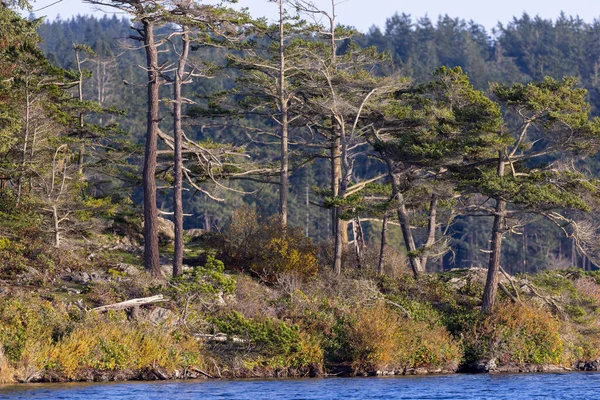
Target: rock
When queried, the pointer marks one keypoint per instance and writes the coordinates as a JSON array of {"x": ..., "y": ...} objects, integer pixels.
[
  {"x": 160, "y": 316},
  {"x": 552, "y": 368},
  {"x": 166, "y": 228},
  {"x": 81, "y": 277},
  {"x": 593, "y": 365},
  {"x": 127, "y": 268},
  {"x": 31, "y": 274},
  {"x": 194, "y": 233},
  {"x": 482, "y": 366},
  {"x": 94, "y": 276}
]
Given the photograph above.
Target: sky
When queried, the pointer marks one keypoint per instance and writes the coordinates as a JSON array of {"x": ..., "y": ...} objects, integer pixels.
[{"x": 362, "y": 14}]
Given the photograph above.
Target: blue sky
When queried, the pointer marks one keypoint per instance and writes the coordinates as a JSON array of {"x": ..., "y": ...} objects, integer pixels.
[{"x": 364, "y": 13}]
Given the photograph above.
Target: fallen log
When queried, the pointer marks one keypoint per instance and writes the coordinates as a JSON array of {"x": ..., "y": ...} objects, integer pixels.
[{"x": 130, "y": 303}]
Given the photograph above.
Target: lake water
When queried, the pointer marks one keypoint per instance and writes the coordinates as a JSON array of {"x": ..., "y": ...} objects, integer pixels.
[{"x": 461, "y": 386}]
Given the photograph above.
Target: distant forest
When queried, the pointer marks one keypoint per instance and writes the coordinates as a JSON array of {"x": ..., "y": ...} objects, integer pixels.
[{"x": 524, "y": 50}]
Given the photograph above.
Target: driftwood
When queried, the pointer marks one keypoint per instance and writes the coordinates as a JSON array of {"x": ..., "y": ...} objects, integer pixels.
[
  {"x": 199, "y": 371},
  {"x": 130, "y": 303}
]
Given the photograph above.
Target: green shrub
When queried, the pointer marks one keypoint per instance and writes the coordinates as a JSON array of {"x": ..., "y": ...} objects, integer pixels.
[{"x": 266, "y": 336}]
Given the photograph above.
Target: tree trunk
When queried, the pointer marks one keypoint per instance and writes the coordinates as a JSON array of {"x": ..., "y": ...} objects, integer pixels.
[
  {"x": 25, "y": 139},
  {"x": 383, "y": 244},
  {"x": 336, "y": 177},
  {"x": 404, "y": 219},
  {"x": 338, "y": 248},
  {"x": 359, "y": 241},
  {"x": 81, "y": 154},
  {"x": 491, "y": 283},
  {"x": 55, "y": 220},
  {"x": 283, "y": 108},
  {"x": 206, "y": 221},
  {"x": 339, "y": 228},
  {"x": 307, "y": 204},
  {"x": 151, "y": 252},
  {"x": 178, "y": 158},
  {"x": 430, "y": 229}
]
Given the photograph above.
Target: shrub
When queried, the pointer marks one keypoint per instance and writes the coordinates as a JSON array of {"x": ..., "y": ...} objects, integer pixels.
[
  {"x": 266, "y": 336},
  {"x": 111, "y": 344},
  {"x": 516, "y": 333},
  {"x": 378, "y": 338},
  {"x": 371, "y": 336},
  {"x": 208, "y": 279},
  {"x": 270, "y": 343},
  {"x": 41, "y": 339},
  {"x": 268, "y": 250}
]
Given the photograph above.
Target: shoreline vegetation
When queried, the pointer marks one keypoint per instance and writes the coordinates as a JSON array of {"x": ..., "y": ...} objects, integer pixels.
[
  {"x": 261, "y": 319},
  {"x": 300, "y": 121}
]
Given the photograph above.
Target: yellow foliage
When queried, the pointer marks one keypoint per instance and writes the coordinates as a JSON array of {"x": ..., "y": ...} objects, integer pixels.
[
  {"x": 41, "y": 338},
  {"x": 519, "y": 333},
  {"x": 379, "y": 338}
]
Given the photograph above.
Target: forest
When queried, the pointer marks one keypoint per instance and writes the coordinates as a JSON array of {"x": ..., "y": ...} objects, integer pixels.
[
  {"x": 263, "y": 178},
  {"x": 526, "y": 50}
]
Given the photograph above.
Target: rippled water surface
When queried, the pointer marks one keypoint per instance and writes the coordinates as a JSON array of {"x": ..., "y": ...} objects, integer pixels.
[{"x": 461, "y": 386}]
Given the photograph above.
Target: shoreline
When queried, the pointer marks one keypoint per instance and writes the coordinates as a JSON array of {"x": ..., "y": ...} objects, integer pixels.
[
  {"x": 159, "y": 376},
  {"x": 503, "y": 370}
]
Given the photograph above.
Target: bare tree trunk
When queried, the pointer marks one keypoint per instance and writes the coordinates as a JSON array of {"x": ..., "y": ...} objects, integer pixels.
[
  {"x": 524, "y": 250},
  {"x": 491, "y": 284},
  {"x": 25, "y": 139},
  {"x": 359, "y": 241},
  {"x": 338, "y": 247},
  {"x": 151, "y": 252},
  {"x": 430, "y": 229},
  {"x": 336, "y": 177},
  {"x": 283, "y": 108},
  {"x": 339, "y": 228},
  {"x": 56, "y": 222},
  {"x": 307, "y": 204},
  {"x": 81, "y": 121},
  {"x": 178, "y": 158},
  {"x": 384, "y": 227},
  {"x": 404, "y": 219}
]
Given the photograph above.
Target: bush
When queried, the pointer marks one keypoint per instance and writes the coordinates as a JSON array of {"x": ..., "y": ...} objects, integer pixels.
[
  {"x": 377, "y": 338},
  {"x": 270, "y": 343},
  {"x": 516, "y": 333},
  {"x": 44, "y": 340},
  {"x": 268, "y": 250},
  {"x": 106, "y": 344}
]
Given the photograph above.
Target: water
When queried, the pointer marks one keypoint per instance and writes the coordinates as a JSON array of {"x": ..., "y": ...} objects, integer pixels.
[{"x": 462, "y": 386}]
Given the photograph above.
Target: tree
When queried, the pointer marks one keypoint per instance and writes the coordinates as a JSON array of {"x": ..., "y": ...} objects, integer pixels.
[
  {"x": 548, "y": 123},
  {"x": 427, "y": 131},
  {"x": 148, "y": 14}
]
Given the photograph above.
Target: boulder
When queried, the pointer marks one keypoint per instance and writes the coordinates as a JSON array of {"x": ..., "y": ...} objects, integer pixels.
[
  {"x": 160, "y": 316},
  {"x": 128, "y": 269},
  {"x": 194, "y": 233},
  {"x": 166, "y": 229}
]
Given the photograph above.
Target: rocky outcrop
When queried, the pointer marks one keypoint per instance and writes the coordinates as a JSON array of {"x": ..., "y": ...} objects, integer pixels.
[{"x": 593, "y": 365}]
